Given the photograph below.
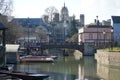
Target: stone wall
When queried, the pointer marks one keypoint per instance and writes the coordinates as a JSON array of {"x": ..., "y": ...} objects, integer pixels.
[
  {"x": 89, "y": 49},
  {"x": 108, "y": 73},
  {"x": 108, "y": 57}
]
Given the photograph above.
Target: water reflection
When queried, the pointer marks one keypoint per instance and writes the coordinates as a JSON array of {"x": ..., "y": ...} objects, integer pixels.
[
  {"x": 108, "y": 73},
  {"x": 65, "y": 68},
  {"x": 77, "y": 54}
]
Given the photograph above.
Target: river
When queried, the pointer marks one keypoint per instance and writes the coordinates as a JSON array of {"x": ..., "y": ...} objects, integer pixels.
[{"x": 70, "y": 68}]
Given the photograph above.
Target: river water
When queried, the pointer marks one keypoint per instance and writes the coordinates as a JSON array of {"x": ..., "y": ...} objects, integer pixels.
[{"x": 70, "y": 68}]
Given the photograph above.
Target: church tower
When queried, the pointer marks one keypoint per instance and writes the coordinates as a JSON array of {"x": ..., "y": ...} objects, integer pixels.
[{"x": 64, "y": 13}]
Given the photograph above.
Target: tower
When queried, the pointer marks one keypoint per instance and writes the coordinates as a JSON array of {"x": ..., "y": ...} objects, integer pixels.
[
  {"x": 56, "y": 17},
  {"x": 64, "y": 13},
  {"x": 82, "y": 19}
]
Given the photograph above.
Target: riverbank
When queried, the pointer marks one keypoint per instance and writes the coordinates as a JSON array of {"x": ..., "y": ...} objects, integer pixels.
[{"x": 106, "y": 57}]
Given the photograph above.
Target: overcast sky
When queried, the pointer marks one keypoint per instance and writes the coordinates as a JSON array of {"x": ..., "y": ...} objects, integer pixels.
[{"x": 90, "y": 8}]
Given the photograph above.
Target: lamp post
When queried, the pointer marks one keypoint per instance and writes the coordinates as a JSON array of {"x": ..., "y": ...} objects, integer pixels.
[
  {"x": 28, "y": 36},
  {"x": 111, "y": 39},
  {"x": 104, "y": 37}
]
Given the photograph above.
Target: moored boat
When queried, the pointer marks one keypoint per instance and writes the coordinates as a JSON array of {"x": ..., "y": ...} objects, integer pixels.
[
  {"x": 36, "y": 59},
  {"x": 24, "y": 75}
]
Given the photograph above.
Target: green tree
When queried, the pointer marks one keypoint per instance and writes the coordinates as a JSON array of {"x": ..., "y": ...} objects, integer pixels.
[
  {"x": 73, "y": 27},
  {"x": 74, "y": 38}
]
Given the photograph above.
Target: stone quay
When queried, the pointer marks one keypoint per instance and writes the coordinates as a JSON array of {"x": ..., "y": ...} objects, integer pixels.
[{"x": 110, "y": 58}]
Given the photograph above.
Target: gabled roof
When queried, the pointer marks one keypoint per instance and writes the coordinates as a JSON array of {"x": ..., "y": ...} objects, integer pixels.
[{"x": 116, "y": 19}]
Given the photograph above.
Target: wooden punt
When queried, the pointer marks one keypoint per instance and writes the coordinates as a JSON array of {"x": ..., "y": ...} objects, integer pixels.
[{"x": 36, "y": 59}]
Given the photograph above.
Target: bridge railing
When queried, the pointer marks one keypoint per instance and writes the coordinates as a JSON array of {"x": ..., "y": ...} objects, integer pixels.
[
  {"x": 69, "y": 45},
  {"x": 59, "y": 43}
]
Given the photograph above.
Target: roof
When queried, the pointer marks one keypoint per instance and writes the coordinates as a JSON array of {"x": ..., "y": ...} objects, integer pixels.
[
  {"x": 12, "y": 47},
  {"x": 98, "y": 26},
  {"x": 64, "y": 9},
  {"x": 116, "y": 19},
  {"x": 2, "y": 27},
  {"x": 33, "y": 22}
]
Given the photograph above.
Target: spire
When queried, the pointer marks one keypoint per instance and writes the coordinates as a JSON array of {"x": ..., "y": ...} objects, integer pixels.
[{"x": 64, "y": 4}]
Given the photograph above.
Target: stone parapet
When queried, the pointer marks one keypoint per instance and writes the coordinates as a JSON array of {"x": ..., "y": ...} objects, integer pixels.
[{"x": 108, "y": 57}]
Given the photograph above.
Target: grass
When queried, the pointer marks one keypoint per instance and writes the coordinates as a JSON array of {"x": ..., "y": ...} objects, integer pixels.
[{"x": 113, "y": 49}]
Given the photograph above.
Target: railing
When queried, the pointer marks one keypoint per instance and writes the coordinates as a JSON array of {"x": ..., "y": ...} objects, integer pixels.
[
  {"x": 60, "y": 43},
  {"x": 69, "y": 45}
]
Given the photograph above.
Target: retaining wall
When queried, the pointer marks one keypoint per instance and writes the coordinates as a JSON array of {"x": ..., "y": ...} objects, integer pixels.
[{"x": 108, "y": 57}]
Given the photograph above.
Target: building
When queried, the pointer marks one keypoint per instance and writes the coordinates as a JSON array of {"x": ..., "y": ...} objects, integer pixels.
[
  {"x": 56, "y": 17},
  {"x": 107, "y": 22},
  {"x": 60, "y": 25},
  {"x": 64, "y": 13},
  {"x": 95, "y": 36},
  {"x": 116, "y": 27},
  {"x": 45, "y": 18},
  {"x": 12, "y": 56},
  {"x": 82, "y": 19}
]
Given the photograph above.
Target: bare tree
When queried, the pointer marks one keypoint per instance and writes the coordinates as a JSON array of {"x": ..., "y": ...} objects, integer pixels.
[
  {"x": 13, "y": 32},
  {"x": 50, "y": 12},
  {"x": 41, "y": 34},
  {"x": 6, "y": 7}
]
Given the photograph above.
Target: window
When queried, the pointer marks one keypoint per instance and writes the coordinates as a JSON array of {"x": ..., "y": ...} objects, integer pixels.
[
  {"x": 99, "y": 36},
  {"x": 90, "y": 36}
]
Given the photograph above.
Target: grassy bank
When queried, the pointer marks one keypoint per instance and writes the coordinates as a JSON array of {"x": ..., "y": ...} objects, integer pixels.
[{"x": 113, "y": 49}]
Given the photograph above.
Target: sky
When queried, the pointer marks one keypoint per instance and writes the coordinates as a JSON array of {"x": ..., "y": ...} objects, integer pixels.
[{"x": 104, "y": 9}]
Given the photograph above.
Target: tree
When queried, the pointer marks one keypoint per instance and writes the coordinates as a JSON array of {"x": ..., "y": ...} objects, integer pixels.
[
  {"x": 74, "y": 38},
  {"x": 41, "y": 34},
  {"x": 6, "y": 7},
  {"x": 50, "y": 12},
  {"x": 14, "y": 32},
  {"x": 73, "y": 27}
]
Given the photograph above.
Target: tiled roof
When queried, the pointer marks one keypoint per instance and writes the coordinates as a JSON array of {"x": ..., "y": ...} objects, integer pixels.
[{"x": 116, "y": 19}]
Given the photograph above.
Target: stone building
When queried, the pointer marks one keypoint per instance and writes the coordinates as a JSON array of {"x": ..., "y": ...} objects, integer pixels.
[
  {"x": 64, "y": 13},
  {"x": 82, "y": 19}
]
